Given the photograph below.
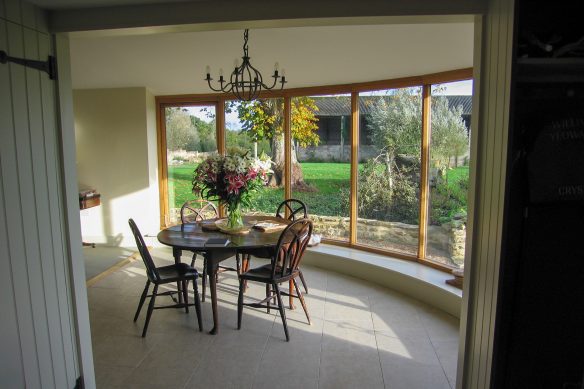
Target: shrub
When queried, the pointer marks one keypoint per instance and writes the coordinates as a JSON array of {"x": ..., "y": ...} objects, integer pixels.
[
  {"x": 378, "y": 200},
  {"x": 449, "y": 200}
]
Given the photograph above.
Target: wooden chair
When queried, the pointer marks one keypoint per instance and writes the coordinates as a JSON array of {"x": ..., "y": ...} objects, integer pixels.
[
  {"x": 283, "y": 267},
  {"x": 194, "y": 211},
  {"x": 197, "y": 210},
  {"x": 296, "y": 209},
  {"x": 179, "y": 273}
]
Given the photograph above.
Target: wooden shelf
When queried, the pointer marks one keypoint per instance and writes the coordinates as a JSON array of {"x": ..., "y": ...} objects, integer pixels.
[{"x": 89, "y": 202}]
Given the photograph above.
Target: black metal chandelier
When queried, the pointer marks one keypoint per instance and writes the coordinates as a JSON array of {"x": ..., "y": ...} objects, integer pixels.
[{"x": 246, "y": 82}]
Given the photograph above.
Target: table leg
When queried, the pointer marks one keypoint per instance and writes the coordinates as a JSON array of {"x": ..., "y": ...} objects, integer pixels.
[
  {"x": 212, "y": 267},
  {"x": 176, "y": 253}
]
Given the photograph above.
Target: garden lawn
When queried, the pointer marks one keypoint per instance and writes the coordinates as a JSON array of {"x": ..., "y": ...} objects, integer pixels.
[{"x": 326, "y": 180}]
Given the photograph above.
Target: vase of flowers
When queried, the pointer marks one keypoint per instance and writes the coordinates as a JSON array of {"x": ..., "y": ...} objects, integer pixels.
[{"x": 231, "y": 179}]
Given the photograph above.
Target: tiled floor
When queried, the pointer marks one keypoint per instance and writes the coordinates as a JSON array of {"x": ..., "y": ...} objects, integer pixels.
[{"x": 362, "y": 336}]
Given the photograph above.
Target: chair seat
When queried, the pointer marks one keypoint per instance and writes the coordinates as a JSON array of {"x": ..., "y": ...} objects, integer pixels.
[
  {"x": 176, "y": 272},
  {"x": 260, "y": 252},
  {"x": 264, "y": 273}
]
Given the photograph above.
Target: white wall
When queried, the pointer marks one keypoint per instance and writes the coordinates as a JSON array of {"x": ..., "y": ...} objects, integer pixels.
[
  {"x": 116, "y": 154},
  {"x": 312, "y": 56},
  {"x": 38, "y": 338}
]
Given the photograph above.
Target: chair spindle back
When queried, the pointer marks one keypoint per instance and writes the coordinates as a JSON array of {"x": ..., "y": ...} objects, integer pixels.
[
  {"x": 151, "y": 271},
  {"x": 296, "y": 208},
  {"x": 291, "y": 246},
  {"x": 197, "y": 210}
]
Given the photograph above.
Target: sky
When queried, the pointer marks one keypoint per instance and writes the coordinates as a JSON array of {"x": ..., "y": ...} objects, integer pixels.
[{"x": 232, "y": 122}]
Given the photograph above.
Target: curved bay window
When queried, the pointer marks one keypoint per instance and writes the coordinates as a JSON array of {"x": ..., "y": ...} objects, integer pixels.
[{"x": 378, "y": 164}]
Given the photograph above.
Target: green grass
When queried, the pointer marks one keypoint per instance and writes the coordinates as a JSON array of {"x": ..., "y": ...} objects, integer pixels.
[
  {"x": 456, "y": 174},
  {"x": 325, "y": 178},
  {"x": 180, "y": 184}
]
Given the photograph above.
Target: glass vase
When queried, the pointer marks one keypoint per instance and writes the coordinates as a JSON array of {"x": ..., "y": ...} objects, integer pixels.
[{"x": 234, "y": 216}]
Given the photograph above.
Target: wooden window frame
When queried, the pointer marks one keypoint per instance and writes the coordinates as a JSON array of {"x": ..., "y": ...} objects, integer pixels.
[{"x": 219, "y": 100}]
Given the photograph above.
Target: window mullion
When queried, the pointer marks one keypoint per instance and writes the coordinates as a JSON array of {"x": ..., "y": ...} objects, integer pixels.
[
  {"x": 424, "y": 168},
  {"x": 287, "y": 148},
  {"x": 354, "y": 167},
  {"x": 220, "y": 136}
]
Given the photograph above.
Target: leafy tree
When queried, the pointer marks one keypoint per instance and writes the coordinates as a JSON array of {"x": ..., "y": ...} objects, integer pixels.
[
  {"x": 395, "y": 122},
  {"x": 390, "y": 182},
  {"x": 263, "y": 119},
  {"x": 206, "y": 133},
  {"x": 179, "y": 130},
  {"x": 449, "y": 136}
]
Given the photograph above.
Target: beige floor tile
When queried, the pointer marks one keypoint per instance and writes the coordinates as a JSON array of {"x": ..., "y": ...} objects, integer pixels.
[
  {"x": 107, "y": 376},
  {"x": 408, "y": 363},
  {"x": 346, "y": 307},
  {"x": 350, "y": 370},
  {"x": 348, "y": 336},
  {"x": 289, "y": 364},
  {"x": 158, "y": 376},
  {"x": 362, "y": 336},
  {"x": 227, "y": 367},
  {"x": 122, "y": 350},
  {"x": 440, "y": 325},
  {"x": 401, "y": 319},
  {"x": 412, "y": 375},
  {"x": 447, "y": 351}
]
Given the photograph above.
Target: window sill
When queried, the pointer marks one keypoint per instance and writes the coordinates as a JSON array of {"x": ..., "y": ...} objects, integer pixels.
[{"x": 411, "y": 278}]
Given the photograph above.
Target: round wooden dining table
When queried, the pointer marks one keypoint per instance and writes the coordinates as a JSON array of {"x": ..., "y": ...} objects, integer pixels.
[{"x": 192, "y": 237}]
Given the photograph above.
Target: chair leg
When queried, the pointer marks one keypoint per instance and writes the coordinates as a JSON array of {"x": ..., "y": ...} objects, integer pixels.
[
  {"x": 194, "y": 259},
  {"x": 142, "y": 298},
  {"x": 204, "y": 287},
  {"x": 198, "y": 305},
  {"x": 245, "y": 259},
  {"x": 150, "y": 309},
  {"x": 268, "y": 295},
  {"x": 301, "y": 297},
  {"x": 185, "y": 295},
  {"x": 282, "y": 312},
  {"x": 303, "y": 281},
  {"x": 240, "y": 304},
  {"x": 291, "y": 295}
]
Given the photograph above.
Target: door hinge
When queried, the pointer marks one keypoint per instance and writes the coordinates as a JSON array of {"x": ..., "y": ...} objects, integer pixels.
[{"x": 49, "y": 66}]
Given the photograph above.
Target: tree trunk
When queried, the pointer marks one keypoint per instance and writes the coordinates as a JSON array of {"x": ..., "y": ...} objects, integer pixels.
[
  {"x": 278, "y": 157},
  {"x": 388, "y": 162}
]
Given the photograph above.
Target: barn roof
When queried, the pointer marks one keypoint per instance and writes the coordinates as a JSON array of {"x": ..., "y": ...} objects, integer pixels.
[{"x": 341, "y": 106}]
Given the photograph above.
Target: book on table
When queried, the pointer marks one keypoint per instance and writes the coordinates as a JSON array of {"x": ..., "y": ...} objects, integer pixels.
[
  {"x": 217, "y": 242},
  {"x": 269, "y": 226}
]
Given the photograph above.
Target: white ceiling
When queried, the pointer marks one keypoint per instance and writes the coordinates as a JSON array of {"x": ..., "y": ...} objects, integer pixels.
[
  {"x": 77, "y": 4},
  {"x": 174, "y": 63}
]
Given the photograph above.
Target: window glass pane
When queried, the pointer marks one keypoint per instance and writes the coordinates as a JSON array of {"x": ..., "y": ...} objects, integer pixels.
[
  {"x": 448, "y": 175},
  {"x": 388, "y": 200},
  {"x": 257, "y": 126},
  {"x": 190, "y": 138},
  {"x": 321, "y": 133}
]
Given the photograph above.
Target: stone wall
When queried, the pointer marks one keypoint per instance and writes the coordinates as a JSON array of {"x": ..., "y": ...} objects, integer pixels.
[
  {"x": 179, "y": 157},
  {"x": 449, "y": 238}
]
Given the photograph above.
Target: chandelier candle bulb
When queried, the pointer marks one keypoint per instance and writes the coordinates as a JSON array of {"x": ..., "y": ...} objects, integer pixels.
[{"x": 208, "y": 71}]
